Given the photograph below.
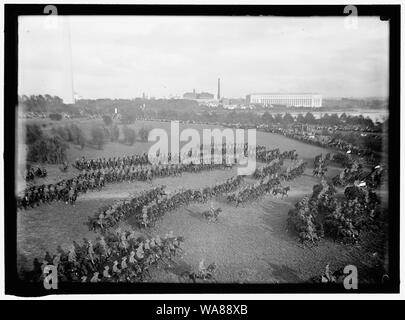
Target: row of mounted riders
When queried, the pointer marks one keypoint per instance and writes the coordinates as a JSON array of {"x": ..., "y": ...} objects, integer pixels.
[
  {"x": 269, "y": 184},
  {"x": 262, "y": 155},
  {"x": 147, "y": 207},
  {"x": 356, "y": 175},
  {"x": 31, "y": 173},
  {"x": 353, "y": 173},
  {"x": 339, "y": 144},
  {"x": 67, "y": 190},
  {"x": 115, "y": 257}
]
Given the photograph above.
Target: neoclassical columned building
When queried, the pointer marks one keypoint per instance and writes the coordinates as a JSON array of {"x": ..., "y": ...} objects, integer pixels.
[{"x": 310, "y": 100}]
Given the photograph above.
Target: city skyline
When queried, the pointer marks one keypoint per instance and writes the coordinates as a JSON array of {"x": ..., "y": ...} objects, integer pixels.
[{"x": 122, "y": 57}]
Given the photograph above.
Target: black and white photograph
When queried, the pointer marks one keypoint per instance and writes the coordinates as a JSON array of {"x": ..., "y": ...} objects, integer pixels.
[{"x": 243, "y": 149}]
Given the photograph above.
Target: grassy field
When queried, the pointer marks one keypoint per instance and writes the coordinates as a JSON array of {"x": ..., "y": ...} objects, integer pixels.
[{"x": 249, "y": 243}]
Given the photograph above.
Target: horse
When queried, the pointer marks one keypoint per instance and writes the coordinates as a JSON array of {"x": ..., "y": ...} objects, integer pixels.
[
  {"x": 212, "y": 215},
  {"x": 281, "y": 190}
]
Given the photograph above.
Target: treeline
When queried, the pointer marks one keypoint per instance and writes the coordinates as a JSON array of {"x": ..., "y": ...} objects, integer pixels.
[
  {"x": 253, "y": 118},
  {"x": 100, "y": 133},
  {"x": 45, "y": 103},
  {"x": 70, "y": 133},
  {"x": 136, "y": 108},
  {"x": 180, "y": 109},
  {"x": 287, "y": 119}
]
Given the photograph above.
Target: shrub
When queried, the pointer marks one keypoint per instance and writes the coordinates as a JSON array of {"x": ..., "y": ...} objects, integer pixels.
[
  {"x": 288, "y": 118},
  {"x": 33, "y": 133},
  {"x": 115, "y": 133},
  {"x": 55, "y": 116},
  {"x": 98, "y": 135},
  {"x": 49, "y": 150},
  {"x": 77, "y": 135},
  {"x": 63, "y": 133},
  {"x": 129, "y": 135},
  {"x": 310, "y": 118},
  {"x": 107, "y": 120},
  {"x": 144, "y": 133}
]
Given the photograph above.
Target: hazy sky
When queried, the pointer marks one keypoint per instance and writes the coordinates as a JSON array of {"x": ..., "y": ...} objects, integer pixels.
[{"x": 121, "y": 57}]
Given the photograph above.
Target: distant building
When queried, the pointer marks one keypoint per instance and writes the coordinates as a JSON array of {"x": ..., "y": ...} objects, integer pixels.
[
  {"x": 205, "y": 95},
  {"x": 309, "y": 100},
  {"x": 198, "y": 96},
  {"x": 190, "y": 95}
]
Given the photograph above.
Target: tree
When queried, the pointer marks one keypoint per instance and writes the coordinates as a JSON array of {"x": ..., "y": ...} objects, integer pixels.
[
  {"x": 309, "y": 118},
  {"x": 48, "y": 150},
  {"x": 278, "y": 118},
  {"x": 115, "y": 133},
  {"x": 334, "y": 119},
  {"x": 267, "y": 118},
  {"x": 77, "y": 135},
  {"x": 81, "y": 141},
  {"x": 64, "y": 133},
  {"x": 343, "y": 117},
  {"x": 288, "y": 118},
  {"x": 107, "y": 120},
  {"x": 33, "y": 133},
  {"x": 144, "y": 134},
  {"x": 129, "y": 135},
  {"x": 325, "y": 120},
  {"x": 300, "y": 118},
  {"x": 97, "y": 134}
]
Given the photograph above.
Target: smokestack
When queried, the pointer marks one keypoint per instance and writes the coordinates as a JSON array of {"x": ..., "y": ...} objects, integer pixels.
[{"x": 219, "y": 89}]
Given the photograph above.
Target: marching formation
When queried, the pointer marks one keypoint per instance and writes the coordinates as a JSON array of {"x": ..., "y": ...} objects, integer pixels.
[
  {"x": 331, "y": 143},
  {"x": 272, "y": 168},
  {"x": 267, "y": 156},
  {"x": 355, "y": 174},
  {"x": 103, "y": 163},
  {"x": 150, "y": 205},
  {"x": 31, "y": 173},
  {"x": 109, "y": 216},
  {"x": 268, "y": 183},
  {"x": 115, "y": 257},
  {"x": 343, "y": 219},
  {"x": 124, "y": 257},
  {"x": 95, "y": 173},
  {"x": 165, "y": 203},
  {"x": 295, "y": 171},
  {"x": 253, "y": 191},
  {"x": 65, "y": 190}
]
